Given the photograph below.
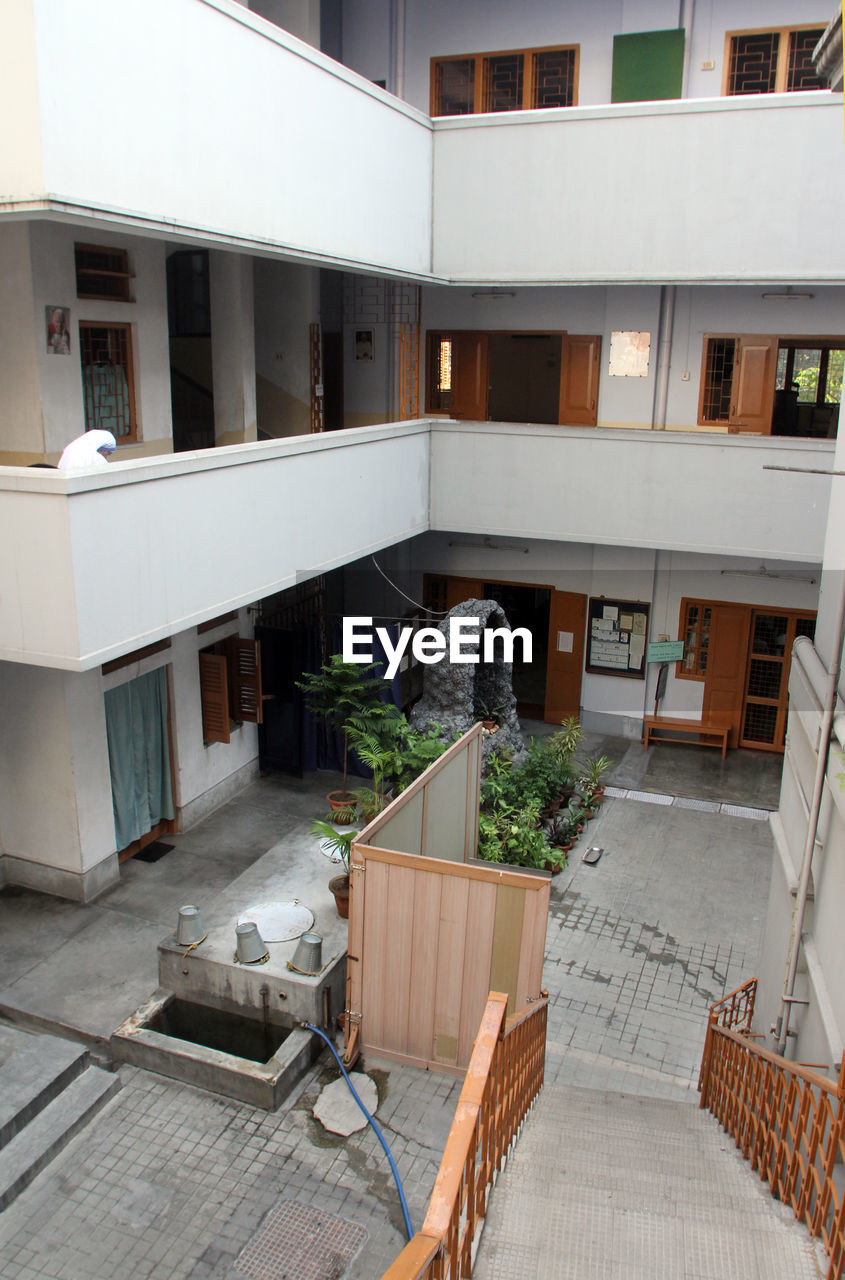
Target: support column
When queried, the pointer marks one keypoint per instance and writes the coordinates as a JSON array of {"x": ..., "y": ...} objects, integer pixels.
[{"x": 232, "y": 348}]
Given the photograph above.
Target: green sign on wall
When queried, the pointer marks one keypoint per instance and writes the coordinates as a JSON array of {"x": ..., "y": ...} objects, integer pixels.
[
  {"x": 647, "y": 65},
  {"x": 665, "y": 651}
]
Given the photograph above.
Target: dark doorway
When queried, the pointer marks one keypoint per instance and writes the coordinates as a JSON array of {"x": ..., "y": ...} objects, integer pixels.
[
  {"x": 523, "y": 375},
  {"x": 526, "y": 607},
  {"x": 189, "y": 325}
]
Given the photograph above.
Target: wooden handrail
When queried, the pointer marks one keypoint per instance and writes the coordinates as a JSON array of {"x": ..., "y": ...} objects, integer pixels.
[
  {"x": 788, "y": 1120},
  {"x": 504, "y": 1075}
]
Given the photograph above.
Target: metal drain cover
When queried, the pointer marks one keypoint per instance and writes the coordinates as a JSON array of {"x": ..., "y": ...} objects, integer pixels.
[
  {"x": 279, "y": 921},
  {"x": 298, "y": 1242}
]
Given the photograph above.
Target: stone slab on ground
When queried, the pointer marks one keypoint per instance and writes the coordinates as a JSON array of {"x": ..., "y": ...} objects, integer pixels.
[{"x": 336, "y": 1108}]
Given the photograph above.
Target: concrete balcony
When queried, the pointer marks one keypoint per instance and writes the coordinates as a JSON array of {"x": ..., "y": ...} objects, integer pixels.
[
  {"x": 722, "y": 189},
  {"x": 199, "y": 120},
  {"x": 94, "y": 565}
]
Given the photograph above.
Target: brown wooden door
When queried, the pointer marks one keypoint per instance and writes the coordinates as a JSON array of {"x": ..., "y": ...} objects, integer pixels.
[
  {"x": 764, "y": 714},
  {"x": 753, "y": 391},
  {"x": 469, "y": 376},
  {"x": 579, "y": 379},
  {"x": 727, "y": 659},
  {"x": 460, "y": 589},
  {"x": 567, "y": 622}
]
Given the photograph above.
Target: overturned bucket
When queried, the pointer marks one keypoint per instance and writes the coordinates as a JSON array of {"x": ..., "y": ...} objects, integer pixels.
[
  {"x": 190, "y": 930},
  {"x": 308, "y": 957},
  {"x": 250, "y": 947}
]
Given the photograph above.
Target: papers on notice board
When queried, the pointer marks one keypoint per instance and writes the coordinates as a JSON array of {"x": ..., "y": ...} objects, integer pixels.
[{"x": 617, "y": 635}]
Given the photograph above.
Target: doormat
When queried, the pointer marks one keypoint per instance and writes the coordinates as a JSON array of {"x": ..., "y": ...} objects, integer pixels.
[
  {"x": 154, "y": 851},
  {"x": 298, "y": 1242}
]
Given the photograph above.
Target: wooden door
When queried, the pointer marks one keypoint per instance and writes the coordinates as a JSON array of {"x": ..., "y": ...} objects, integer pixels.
[
  {"x": 567, "y": 623},
  {"x": 579, "y": 379},
  {"x": 469, "y": 376},
  {"x": 753, "y": 388},
  {"x": 460, "y": 589},
  {"x": 773, "y": 633},
  {"x": 727, "y": 658}
]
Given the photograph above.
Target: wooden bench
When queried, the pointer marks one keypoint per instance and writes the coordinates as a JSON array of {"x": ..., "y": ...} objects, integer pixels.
[{"x": 700, "y": 733}]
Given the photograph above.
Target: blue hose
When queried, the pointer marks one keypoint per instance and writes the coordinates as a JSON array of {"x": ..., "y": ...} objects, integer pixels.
[{"x": 408, "y": 1228}]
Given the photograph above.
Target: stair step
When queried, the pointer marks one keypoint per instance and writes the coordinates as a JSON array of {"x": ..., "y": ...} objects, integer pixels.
[
  {"x": 34, "y": 1069},
  {"x": 26, "y": 1154}
]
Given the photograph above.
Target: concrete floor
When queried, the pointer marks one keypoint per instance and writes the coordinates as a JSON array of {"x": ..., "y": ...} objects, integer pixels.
[{"x": 168, "y": 1182}]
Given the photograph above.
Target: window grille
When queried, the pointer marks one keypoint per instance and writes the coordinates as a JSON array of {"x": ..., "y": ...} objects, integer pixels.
[
  {"x": 553, "y": 78},
  {"x": 107, "y": 379},
  {"x": 718, "y": 379},
  {"x": 102, "y": 272},
  {"x": 519, "y": 80},
  {"x": 772, "y": 61}
]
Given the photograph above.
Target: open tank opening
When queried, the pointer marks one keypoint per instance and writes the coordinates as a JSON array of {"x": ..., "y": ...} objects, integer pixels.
[{"x": 232, "y": 1033}]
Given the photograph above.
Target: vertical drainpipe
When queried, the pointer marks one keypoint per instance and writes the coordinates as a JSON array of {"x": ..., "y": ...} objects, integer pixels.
[
  {"x": 685, "y": 19},
  {"x": 397, "y": 87},
  {"x": 664, "y": 357}
]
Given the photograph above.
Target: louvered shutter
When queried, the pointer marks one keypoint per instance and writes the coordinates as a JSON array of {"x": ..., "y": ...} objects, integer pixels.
[
  {"x": 245, "y": 679},
  {"x": 214, "y": 697}
]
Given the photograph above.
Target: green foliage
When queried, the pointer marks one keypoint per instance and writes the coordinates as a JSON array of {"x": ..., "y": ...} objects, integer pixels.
[
  {"x": 566, "y": 740},
  {"x": 592, "y": 772},
  {"x": 346, "y": 695},
  {"x": 336, "y": 845}
]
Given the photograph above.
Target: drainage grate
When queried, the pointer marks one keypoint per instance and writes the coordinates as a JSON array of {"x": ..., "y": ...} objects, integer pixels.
[
  {"x": 702, "y": 806},
  {"x": 741, "y": 811},
  {"x": 650, "y": 797},
  {"x": 298, "y": 1242}
]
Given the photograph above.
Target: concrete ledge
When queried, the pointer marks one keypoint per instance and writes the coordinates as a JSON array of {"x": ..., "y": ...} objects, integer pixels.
[
  {"x": 78, "y": 886},
  {"x": 261, "y": 1084}
]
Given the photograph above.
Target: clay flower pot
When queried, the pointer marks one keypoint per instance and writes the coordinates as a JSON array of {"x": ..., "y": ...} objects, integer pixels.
[{"x": 339, "y": 886}]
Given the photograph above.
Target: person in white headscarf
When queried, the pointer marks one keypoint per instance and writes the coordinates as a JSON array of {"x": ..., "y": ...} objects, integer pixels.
[{"x": 89, "y": 450}]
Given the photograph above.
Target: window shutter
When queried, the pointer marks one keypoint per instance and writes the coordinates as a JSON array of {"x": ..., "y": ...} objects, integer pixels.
[
  {"x": 214, "y": 697},
  {"x": 245, "y": 673},
  {"x": 753, "y": 396},
  {"x": 579, "y": 379}
]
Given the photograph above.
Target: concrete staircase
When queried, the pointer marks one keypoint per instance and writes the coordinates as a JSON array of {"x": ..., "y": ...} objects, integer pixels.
[
  {"x": 48, "y": 1091},
  {"x": 608, "y": 1184}
]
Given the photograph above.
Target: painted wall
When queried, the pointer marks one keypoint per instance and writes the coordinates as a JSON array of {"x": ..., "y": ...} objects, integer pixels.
[
  {"x": 563, "y": 220},
  {"x": 55, "y": 794},
  {"x": 232, "y": 347},
  {"x": 437, "y": 28},
  {"x": 629, "y": 401},
  {"x": 661, "y": 578},
  {"x": 236, "y": 164},
  {"x": 211, "y": 530},
  {"x": 286, "y": 303},
  {"x": 668, "y": 491},
  {"x": 42, "y": 392}
]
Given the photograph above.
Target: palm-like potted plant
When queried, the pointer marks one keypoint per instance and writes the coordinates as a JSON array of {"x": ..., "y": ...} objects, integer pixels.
[
  {"x": 344, "y": 694},
  {"x": 590, "y": 782},
  {"x": 337, "y": 847}
]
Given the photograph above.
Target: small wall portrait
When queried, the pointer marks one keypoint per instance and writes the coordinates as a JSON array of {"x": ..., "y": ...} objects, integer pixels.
[
  {"x": 365, "y": 345},
  {"x": 58, "y": 330}
]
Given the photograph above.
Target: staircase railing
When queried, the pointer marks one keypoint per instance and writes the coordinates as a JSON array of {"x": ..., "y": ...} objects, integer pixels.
[
  {"x": 503, "y": 1078},
  {"x": 788, "y": 1121}
]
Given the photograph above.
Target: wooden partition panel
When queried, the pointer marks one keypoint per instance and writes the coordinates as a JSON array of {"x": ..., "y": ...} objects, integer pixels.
[{"x": 427, "y": 940}]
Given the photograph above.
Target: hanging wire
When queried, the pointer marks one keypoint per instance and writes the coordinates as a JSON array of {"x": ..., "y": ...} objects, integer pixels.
[{"x": 438, "y": 613}]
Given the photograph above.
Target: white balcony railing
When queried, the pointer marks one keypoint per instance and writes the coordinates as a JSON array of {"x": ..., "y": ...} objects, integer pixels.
[{"x": 94, "y": 565}]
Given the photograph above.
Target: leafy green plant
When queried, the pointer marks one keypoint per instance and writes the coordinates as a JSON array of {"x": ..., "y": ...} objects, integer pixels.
[
  {"x": 345, "y": 694},
  {"x": 566, "y": 740},
  {"x": 486, "y": 711},
  {"x": 592, "y": 771},
  {"x": 336, "y": 845}
]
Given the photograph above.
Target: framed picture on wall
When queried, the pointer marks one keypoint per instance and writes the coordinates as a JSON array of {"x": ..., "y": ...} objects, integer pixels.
[
  {"x": 365, "y": 345},
  {"x": 57, "y": 321}
]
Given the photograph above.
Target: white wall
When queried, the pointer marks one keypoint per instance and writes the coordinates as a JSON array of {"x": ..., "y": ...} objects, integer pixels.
[
  {"x": 438, "y": 28},
  {"x": 56, "y": 380},
  {"x": 205, "y": 532},
  {"x": 700, "y": 310},
  {"x": 232, "y": 347},
  {"x": 21, "y": 423},
  {"x": 674, "y": 191},
  {"x": 20, "y": 146},
  {"x": 667, "y": 490},
  {"x": 289, "y": 151},
  {"x": 286, "y": 303}
]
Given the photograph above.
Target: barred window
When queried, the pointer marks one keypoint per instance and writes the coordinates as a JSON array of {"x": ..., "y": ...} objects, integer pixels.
[
  {"x": 779, "y": 61},
  {"x": 516, "y": 80}
]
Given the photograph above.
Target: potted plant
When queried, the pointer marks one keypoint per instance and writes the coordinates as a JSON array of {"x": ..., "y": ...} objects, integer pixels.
[
  {"x": 590, "y": 782},
  {"x": 490, "y": 716},
  {"x": 337, "y": 847},
  {"x": 344, "y": 694}
]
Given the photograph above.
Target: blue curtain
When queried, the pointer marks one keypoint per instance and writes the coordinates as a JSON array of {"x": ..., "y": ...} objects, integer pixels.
[{"x": 139, "y": 755}]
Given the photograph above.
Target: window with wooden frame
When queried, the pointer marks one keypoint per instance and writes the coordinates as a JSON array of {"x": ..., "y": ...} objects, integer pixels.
[
  {"x": 771, "y": 61},
  {"x": 695, "y": 631},
  {"x": 439, "y": 395},
  {"x": 514, "y": 80},
  {"x": 108, "y": 381},
  {"x": 230, "y": 687},
  {"x": 102, "y": 272},
  {"x": 764, "y": 384}
]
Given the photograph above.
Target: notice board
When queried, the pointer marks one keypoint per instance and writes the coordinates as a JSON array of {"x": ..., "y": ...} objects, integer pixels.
[{"x": 617, "y": 634}]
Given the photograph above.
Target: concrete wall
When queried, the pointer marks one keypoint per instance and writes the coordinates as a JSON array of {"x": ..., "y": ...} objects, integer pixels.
[
  {"x": 231, "y": 165},
  {"x": 663, "y": 578},
  {"x": 286, "y": 303},
  {"x": 659, "y": 207},
  {"x": 629, "y": 401},
  {"x": 438, "y": 28},
  {"x": 42, "y": 393}
]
